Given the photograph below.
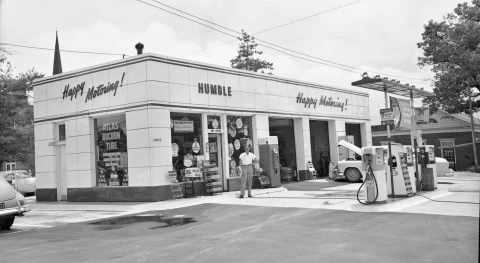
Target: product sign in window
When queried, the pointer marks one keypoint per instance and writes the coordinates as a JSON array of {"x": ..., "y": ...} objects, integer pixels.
[{"x": 111, "y": 155}]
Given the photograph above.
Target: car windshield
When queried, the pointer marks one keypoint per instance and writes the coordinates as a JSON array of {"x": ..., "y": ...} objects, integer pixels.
[{"x": 22, "y": 175}]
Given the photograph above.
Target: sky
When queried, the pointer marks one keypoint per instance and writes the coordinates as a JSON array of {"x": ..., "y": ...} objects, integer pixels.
[{"x": 377, "y": 36}]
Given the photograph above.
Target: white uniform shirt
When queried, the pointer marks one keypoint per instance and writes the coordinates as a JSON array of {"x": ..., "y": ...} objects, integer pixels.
[{"x": 247, "y": 159}]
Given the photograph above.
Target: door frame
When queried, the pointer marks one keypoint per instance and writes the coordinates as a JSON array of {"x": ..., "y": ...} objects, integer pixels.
[
  {"x": 61, "y": 171},
  {"x": 220, "y": 158},
  {"x": 61, "y": 162}
]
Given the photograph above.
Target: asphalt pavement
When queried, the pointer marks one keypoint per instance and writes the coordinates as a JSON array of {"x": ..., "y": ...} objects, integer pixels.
[{"x": 312, "y": 221}]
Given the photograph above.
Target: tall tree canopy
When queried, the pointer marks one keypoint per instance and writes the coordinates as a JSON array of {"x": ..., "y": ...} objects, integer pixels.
[
  {"x": 245, "y": 59},
  {"x": 16, "y": 114},
  {"x": 452, "y": 47}
]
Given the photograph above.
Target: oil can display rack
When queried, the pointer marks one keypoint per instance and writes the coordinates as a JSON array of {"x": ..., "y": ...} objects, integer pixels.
[{"x": 211, "y": 178}]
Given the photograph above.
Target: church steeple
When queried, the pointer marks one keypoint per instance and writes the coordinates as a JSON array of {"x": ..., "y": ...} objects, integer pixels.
[{"x": 57, "y": 61}]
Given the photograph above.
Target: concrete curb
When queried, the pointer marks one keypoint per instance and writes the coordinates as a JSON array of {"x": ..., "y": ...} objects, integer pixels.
[{"x": 141, "y": 206}]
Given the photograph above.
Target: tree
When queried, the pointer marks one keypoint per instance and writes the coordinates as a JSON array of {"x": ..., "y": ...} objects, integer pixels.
[
  {"x": 246, "y": 52},
  {"x": 16, "y": 114},
  {"x": 452, "y": 47}
]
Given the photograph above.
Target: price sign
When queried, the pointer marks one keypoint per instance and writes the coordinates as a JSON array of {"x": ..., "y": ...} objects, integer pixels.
[{"x": 387, "y": 116}]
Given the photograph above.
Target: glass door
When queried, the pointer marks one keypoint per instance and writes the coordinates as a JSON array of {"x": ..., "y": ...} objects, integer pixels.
[{"x": 215, "y": 154}]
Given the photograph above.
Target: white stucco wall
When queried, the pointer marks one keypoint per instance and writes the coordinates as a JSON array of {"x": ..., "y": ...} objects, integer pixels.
[{"x": 149, "y": 88}]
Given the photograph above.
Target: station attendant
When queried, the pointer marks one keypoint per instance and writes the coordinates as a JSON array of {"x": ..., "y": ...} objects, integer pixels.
[{"x": 247, "y": 159}]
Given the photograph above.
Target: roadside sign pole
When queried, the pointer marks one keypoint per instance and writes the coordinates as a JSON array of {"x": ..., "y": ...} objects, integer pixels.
[
  {"x": 389, "y": 143},
  {"x": 413, "y": 134}
]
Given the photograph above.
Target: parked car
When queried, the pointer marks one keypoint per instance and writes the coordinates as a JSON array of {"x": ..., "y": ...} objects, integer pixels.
[
  {"x": 349, "y": 169},
  {"x": 12, "y": 204},
  {"x": 21, "y": 180}
]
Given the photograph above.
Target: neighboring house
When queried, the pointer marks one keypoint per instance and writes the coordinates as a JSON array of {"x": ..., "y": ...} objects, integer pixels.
[
  {"x": 451, "y": 134},
  {"x": 8, "y": 166},
  {"x": 13, "y": 165}
]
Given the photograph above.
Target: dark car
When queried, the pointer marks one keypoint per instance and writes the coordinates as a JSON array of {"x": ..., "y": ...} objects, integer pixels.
[{"x": 12, "y": 204}]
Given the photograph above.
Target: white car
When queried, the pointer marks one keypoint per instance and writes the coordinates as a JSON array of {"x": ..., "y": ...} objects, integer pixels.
[
  {"x": 349, "y": 169},
  {"x": 21, "y": 180}
]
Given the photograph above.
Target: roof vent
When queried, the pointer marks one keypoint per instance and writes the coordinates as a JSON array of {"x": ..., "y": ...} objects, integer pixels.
[{"x": 139, "y": 46}]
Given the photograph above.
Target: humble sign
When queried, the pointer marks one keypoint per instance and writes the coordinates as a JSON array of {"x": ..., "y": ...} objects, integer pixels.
[{"x": 214, "y": 89}]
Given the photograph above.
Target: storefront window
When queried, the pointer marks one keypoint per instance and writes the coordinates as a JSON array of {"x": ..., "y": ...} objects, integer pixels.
[
  {"x": 187, "y": 143},
  {"x": 111, "y": 155},
  {"x": 239, "y": 135}
]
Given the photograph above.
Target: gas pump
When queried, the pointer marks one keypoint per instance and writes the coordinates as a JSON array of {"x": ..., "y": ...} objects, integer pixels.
[
  {"x": 430, "y": 149},
  {"x": 374, "y": 181},
  {"x": 401, "y": 177},
  {"x": 424, "y": 165},
  {"x": 408, "y": 150},
  {"x": 269, "y": 158}
]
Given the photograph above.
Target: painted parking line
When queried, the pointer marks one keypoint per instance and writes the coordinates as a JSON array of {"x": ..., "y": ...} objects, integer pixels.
[
  {"x": 24, "y": 225},
  {"x": 11, "y": 232}
]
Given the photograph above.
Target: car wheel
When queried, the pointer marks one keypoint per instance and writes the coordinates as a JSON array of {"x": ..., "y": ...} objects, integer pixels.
[
  {"x": 6, "y": 223},
  {"x": 353, "y": 175}
]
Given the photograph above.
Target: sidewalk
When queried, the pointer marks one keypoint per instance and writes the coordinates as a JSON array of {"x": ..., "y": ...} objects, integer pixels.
[{"x": 456, "y": 196}]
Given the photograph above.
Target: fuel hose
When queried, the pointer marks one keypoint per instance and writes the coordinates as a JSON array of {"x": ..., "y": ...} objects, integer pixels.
[{"x": 372, "y": 175}]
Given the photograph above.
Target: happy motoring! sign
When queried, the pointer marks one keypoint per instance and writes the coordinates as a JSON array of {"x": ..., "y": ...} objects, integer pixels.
[
  {"x": 322, "y": 101},
  {"x": 92, "y": 92}
]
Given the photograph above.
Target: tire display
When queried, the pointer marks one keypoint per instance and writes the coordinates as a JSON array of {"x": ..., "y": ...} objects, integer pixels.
[{"x": 287, "y": 174}]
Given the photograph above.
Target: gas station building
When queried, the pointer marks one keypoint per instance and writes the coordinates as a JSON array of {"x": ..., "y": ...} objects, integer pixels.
[{"x": 114, "y": 131}]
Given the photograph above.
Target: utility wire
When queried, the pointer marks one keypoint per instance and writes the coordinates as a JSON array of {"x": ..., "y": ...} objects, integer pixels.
[
  {"x": 314, "y": 61},
  {"x": 63, "y": 50},
  {"x": 307, "y": 17},
  {"x": 334, "y": 63},
  {"x": 191, "y": 19},
  {"x": 178, "y": 10},
  {"x": 326, "y": 62},
  {"x": 292, "y": 22},
  {"x": 265, "y": 30}
]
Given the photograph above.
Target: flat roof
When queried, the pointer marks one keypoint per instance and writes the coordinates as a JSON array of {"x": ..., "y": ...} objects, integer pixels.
[{"x": 392, "y": 86}]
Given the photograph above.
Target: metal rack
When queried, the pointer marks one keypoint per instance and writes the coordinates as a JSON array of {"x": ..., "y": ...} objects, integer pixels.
[{"x": 211, "y": 178}]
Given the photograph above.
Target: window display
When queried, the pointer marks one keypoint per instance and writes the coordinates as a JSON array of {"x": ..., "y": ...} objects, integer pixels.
[
  {"x": 239, "y": 135},
  {"x": 111, "y": 154},
  {"x": 187, "y": 145}
]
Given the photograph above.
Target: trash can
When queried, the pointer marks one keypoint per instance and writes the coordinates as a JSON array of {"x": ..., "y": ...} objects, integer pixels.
[{"x": 428, "y": 183}]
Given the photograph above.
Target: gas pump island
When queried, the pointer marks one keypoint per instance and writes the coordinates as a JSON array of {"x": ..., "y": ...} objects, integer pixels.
[
  {"x": 397, "y": 154},
  {"x": 378, "y": 182}
]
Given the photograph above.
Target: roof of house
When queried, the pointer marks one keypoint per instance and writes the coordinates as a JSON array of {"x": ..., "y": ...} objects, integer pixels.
[{"x": 439, "y": 120}]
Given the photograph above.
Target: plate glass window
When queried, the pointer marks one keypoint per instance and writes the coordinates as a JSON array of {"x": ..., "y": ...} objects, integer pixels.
[
  {"x": 239, "y": 134},
  {"x": 111, "y": 151},
  {"x": 188, "y": 148}
]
